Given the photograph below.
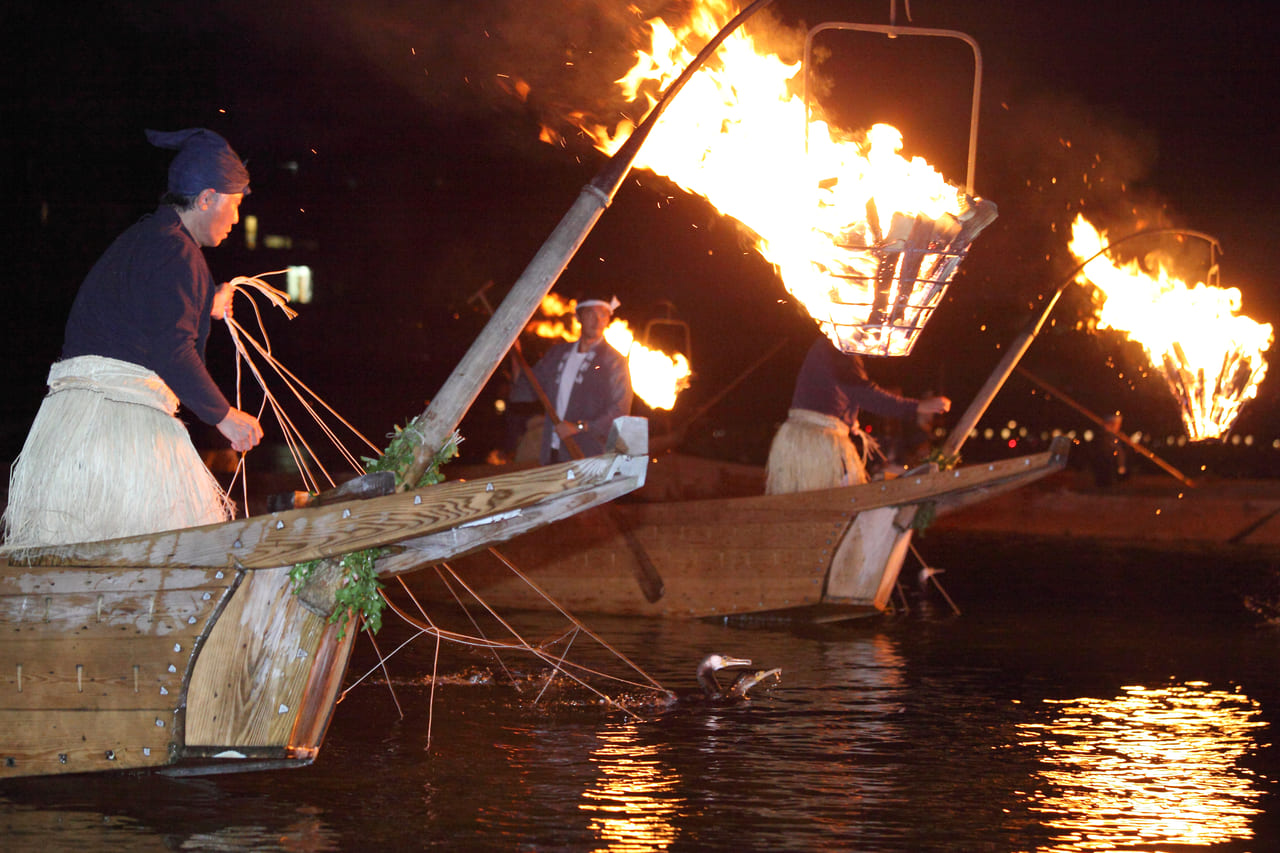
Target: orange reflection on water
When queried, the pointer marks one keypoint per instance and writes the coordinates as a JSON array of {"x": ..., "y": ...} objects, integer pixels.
[
  {"x": 1151, "y": 766},
  {"x": 632, "y": 802}
]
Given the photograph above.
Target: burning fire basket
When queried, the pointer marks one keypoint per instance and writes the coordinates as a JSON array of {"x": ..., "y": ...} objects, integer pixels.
[{"x": 886, "y": 279}]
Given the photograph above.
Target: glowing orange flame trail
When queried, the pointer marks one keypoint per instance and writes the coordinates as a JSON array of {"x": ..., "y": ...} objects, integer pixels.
[{"x": 1211, "y": 356}]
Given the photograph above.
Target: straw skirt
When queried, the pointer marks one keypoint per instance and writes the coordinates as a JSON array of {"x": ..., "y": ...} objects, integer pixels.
[
  {"x": 812, "y": 451},
  {"x": 106, "y": 457}
]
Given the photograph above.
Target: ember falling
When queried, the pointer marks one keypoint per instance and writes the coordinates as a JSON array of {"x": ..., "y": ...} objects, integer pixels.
[
  {"x": 1211, "y": 356},
  {"x": 865, "y": 238}
]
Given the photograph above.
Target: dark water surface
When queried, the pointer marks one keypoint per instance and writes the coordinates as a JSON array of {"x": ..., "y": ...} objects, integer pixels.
[{"x": 1083, "y": 700}]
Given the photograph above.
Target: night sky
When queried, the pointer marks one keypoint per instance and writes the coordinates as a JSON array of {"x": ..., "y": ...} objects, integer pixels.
[{"x": 390, "y": 141}]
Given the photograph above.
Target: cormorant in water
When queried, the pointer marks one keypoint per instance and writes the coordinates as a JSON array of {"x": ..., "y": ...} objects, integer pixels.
[{"x": 737, "y": 690}]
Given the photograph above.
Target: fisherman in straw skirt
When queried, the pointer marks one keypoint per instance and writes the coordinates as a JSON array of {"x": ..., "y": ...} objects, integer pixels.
[
  {"x": 813, "y": 449},
  {"x": 107, "y": 456}
]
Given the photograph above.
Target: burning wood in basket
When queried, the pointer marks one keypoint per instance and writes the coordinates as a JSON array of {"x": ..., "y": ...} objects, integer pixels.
[{"x": 891, "y": 279}]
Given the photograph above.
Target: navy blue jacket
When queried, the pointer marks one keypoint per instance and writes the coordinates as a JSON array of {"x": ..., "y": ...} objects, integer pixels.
[
  {"x": 835, "y": 383},
  {"x": 147, "y": 301}
]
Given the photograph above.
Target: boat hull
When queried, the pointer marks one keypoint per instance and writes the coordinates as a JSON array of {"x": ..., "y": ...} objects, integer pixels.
[
  {"x": 827, "y": 553},
  {"x": 188, "y": 650}
]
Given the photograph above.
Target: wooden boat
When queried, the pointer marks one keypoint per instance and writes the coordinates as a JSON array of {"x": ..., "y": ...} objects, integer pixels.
[
  {"x": 828, "y": 554},
  {"x": 189, "y": 649}
]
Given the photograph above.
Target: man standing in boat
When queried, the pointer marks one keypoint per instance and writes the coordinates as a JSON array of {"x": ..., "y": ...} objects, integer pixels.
[
  {"x": 586, "y": 382},
  {"x": 106, "y": 455},
  {"x": 813, "y": 449}
]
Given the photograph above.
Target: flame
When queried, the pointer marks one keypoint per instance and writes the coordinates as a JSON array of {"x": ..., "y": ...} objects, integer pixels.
[
  {"x": 656, "y": 377},
  {"x": 1210, "y": 354},
  {"x": 865, "y": 238}
]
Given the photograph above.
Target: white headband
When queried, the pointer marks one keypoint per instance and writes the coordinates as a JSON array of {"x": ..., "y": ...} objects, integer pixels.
[{"x": 612, "y": 304}]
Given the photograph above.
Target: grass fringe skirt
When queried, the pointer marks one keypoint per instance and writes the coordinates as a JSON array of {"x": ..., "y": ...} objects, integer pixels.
[
  {"x": 106, "y": 457},
  {"x": 812, "y": 451}
]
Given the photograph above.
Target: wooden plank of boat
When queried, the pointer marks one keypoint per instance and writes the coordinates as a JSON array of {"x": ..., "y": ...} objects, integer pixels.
[
  {"x": 300, "y": 535},
  {"x": 736, "y": 556}
]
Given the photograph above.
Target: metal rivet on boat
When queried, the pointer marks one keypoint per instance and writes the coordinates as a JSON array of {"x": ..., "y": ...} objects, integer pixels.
[
  {"x": 488, "y": 487},
  {"x": 218, "y": 574},
  {"x": 177, "y": 647},
  {"x": 205, "y": 597},
  {"x": 346, "y": 513},
  {"x": 284, "y": 709},
  {"x": 111, "y": 755},
  {"x": 172, "y": 668},
  {"x": 279, "y": 525},
  {"x": 164, "y": 691},
  {"x": 302, "y": 653},
  {"x": 237, "y": 544},
  {"x": 191, "y": 620},
  {"x": 159, "y": 723},
  {"x": 417, "y": 499},
  {"x": 146, "y": 750},
  {"x": 570, "y": 475},
  {"x": 62, "y": 758},
  {"x": 9, "y": 760}
]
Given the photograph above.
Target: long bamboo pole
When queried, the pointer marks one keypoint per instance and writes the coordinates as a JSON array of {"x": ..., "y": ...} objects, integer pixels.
[
  {"x": 436, "y": 425},
  {"x": 1055, "y": 392},
  {"x": 978, "y": 407}
]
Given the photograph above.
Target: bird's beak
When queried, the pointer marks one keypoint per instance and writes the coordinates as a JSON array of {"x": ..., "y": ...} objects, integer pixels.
[{"x": 730, "y": 662}]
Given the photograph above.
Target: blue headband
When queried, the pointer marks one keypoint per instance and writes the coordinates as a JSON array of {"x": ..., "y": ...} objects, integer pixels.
[{"x": 204, "y": 161}]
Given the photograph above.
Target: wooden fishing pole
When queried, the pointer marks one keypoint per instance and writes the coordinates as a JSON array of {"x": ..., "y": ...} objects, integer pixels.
[
  {"x": 446, "y": 410},
  {"x": 978, "y": 407},
  {"x": 1056, "y": 392}
]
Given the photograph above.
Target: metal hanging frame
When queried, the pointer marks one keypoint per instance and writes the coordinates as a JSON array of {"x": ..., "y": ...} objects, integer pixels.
[{"x": 893, "y": 31}]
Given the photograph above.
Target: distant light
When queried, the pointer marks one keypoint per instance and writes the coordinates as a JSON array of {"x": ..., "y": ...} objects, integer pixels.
[
  {"x": 1012, "y": 425},
  {"x": 1235, "y": 439},
  {"x": 1013, "y": 442},
  {"x": 499, "y": 406},
  {"x": 251, "y": 231},
  {"x": 988, "y": 433},
  {"x": 1088, "y": 435},
  {"x": 298, "y": 284},
  {"x": 1248, "y": 441},
  {"x": 1005, "y": 433}
]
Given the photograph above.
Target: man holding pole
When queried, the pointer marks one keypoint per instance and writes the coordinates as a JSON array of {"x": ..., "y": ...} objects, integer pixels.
[
  {"x": 587, "y": 384},
  {"x": 813, "y": 449}
]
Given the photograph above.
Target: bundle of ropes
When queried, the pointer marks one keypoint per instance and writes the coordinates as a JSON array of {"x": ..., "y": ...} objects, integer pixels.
[{"x": 255, "y": 353}]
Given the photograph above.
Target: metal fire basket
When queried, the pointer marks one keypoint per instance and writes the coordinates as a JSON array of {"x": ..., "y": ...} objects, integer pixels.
[{"x": 893, "y": 275}]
